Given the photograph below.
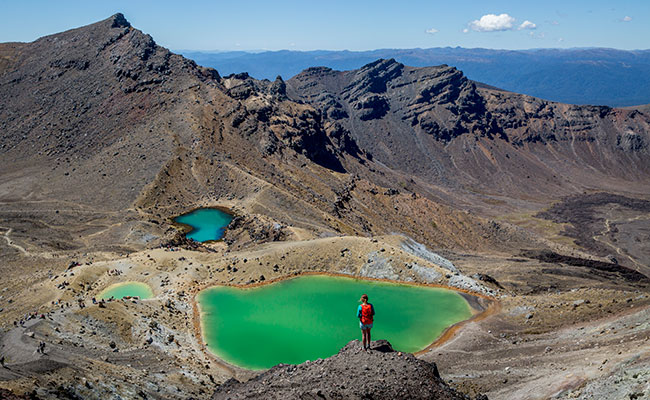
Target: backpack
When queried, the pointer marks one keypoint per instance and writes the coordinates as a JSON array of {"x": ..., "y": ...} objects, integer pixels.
[{"x": 367, "y": 312}]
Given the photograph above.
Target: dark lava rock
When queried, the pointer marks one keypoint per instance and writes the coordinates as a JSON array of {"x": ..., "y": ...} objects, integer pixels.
[
  {"x": 584, "y": 220},
  {"x": 278, "y": 88},
  {"x": 605, "y": 268},
  {"x": 374, "y": 77},
  {"x": 9, "y": 395},
  {"x": 372, "y": 107},
  {"x": 487, "y": 278},
  {"x": 381, "y": 373},
  {"x": 179, "y": 240}
]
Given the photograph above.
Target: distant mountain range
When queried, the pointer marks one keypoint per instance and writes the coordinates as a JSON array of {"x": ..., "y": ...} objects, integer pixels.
[{"x": 594, "y": 76}]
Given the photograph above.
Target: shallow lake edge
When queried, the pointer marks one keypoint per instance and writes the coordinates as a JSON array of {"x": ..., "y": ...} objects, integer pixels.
[{"x": 480, "y": 305}]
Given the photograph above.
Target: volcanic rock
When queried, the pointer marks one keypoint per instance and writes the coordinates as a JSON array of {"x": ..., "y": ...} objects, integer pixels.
[{"x": 380, "y": 373}]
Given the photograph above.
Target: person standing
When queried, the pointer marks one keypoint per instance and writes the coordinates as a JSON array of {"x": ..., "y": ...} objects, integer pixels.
[{"x": 365, "y": 313}]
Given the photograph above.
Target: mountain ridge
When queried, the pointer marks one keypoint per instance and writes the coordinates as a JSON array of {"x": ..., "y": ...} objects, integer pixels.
[
  {"x": 439, "y": 108},
  {"x": 432, "y": 113},
  {"x": 579, "y": 76}
]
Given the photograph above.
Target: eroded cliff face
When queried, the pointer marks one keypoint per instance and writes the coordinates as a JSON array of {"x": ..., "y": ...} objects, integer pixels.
[
  {"x": 278, "y": 124},
  {"x": 435, "y": 123}
]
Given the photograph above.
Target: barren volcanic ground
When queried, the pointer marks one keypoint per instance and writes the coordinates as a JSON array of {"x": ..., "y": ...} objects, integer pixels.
[{"x": 538, "y": 211}]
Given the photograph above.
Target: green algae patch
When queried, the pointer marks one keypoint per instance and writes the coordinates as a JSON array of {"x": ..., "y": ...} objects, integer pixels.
[
  {"x": 127, "y": 289},
  {"x": 312, "y": 317},
  {"x": 205, "y": 224}
]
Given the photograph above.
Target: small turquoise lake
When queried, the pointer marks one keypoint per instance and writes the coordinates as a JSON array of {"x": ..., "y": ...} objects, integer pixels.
[
  {"x": 205, "y": 223},
  {"x": 127, "y": 289}
]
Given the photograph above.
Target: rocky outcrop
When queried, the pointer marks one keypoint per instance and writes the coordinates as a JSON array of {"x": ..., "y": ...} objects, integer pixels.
[
  {"x": 278, "y": 88},
  {"x": 9, "y": 395},
  {"x": 380, "y": 373},
  {"x": 631, "y": 142},
  {"x": 265, "y": 113},
  {"x": 372, "y": 78},
  {"x": 610, "y": 270},
  {"x": 368, "y": 83},
  {"x": 438, "y": 100}
]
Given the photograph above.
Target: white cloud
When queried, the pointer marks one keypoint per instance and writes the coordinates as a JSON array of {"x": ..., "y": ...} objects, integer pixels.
[
  {"x": 527, "y": 25},
  {"x": 627, "y": 18},
  {"x": 465, "y": 30},
  {"x": 492, "y": 23},
  {"x": 432, "y": 31}
]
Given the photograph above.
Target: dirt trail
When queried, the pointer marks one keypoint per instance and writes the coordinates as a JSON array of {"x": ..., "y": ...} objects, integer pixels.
[
  {"x": 21, "y": 249},
  {"x": 601, "y": 238},
  {"x": 11, "y": 243}
]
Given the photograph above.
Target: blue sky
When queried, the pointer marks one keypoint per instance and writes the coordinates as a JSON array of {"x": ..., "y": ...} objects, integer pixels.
[{"x": 351, "y": 24}]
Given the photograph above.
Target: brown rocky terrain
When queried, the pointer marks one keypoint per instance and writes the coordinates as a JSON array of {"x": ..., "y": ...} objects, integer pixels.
[
  {"x": 350, "y": 374},
  {"x": 408, "y": 174}
]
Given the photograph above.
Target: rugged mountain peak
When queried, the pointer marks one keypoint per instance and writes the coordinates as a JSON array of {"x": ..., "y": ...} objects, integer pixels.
[
  {"x": 313, "y": 73},
  {"x": 241, "y": 86},
  {"x": 119, "y": 21},
  {"x": 381, "y": 65},
  {"x": 278, "y": 88},
  {"x": 373, "y": 78},
  {"x": 440, "y": 100},
  {"x": 87, "y": 90}
]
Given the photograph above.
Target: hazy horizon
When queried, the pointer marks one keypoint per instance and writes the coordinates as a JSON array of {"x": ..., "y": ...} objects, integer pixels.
[{"x": 253, "y": 51}]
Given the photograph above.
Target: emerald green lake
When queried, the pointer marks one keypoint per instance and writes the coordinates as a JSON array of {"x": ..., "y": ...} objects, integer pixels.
[
  {"x": 126, "y": 289},
  {"x": 312, "y": 317},
  {"x": 206, "y": 223}
]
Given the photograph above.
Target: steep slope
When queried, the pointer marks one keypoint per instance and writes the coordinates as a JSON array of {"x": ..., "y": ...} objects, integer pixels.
[
  {"x": 103, "y": 123},
  {"x": 84, "y": 105},
  {"x": 435, "y": 124},
  {"x": 104, "y": 103}
]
